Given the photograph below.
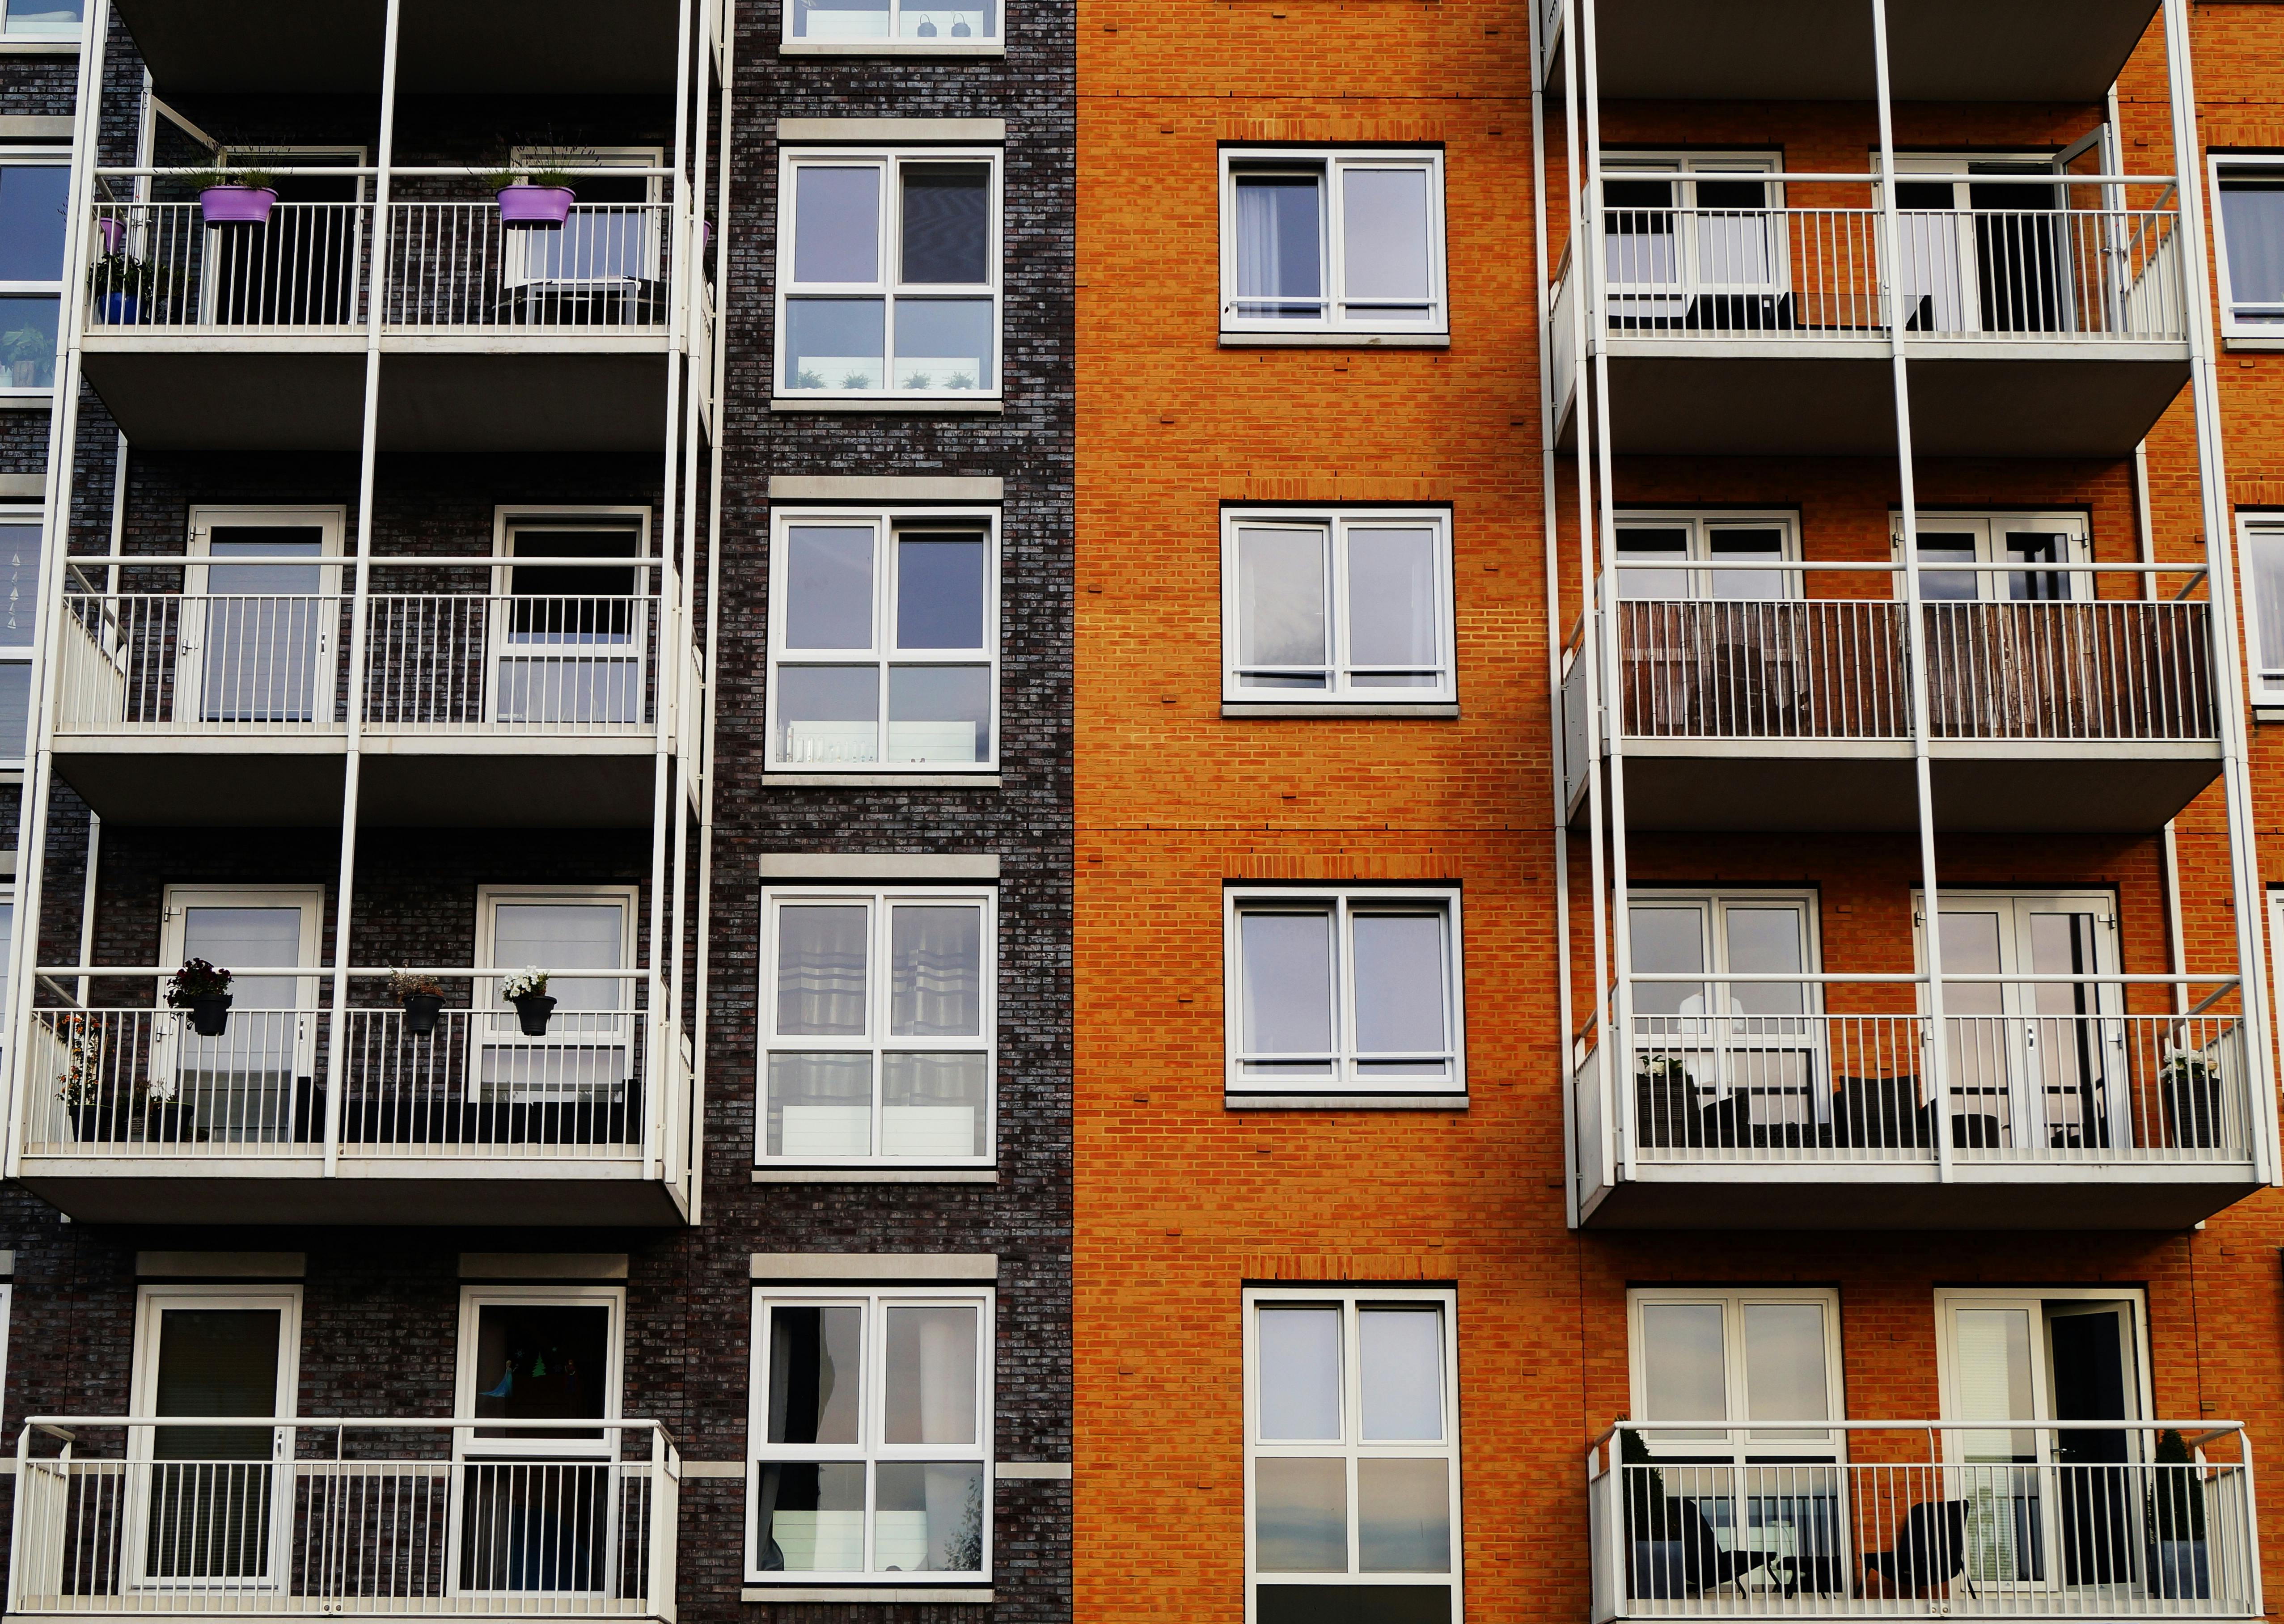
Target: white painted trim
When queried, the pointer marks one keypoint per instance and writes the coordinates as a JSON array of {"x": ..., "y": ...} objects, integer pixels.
[
  {"x": 885, "y": 488},
  {"x": 887, "y": 129},
  {"x": 1330, "y": 523},
  {"x": 875, "y": 1176},
  {"x": 879, "y": 865},
  {"x": 543, "y": 1266},
  {"x": 889, "y": 48},
  {"x": 980, "y": 1596},
  {"x": 908, "y": 405},
  {"x": 224, "y": 1265},
  {"x": 875, "y": 1265},
  {"x": 1434, "y": 710},
  {"x": 880, "y": 780}
]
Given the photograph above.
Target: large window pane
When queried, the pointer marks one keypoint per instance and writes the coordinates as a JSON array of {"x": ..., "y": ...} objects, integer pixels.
[
  {"x": 1350, "y": 1604},
  {"x": 1667, "y": 942},
  {"x": 1279, "y": 246},
  {"x": 1993, "y": 1351},
  {"x": 1403, "y": 1517},
  {"x": 1784, "y": 1364},
  {"x": 835, "y": 343},
  {"x": 812, "y": 1517},
  {"x": 1299, "y": 1516},
  {"x": 20, "y": 583},
  {"x": 1764, "y": 941},
  {"x": 821, "y": 970},
  {"x": 1684, "y": 1362},
  {"x": 840, "y": 19},
  {"x": 1384, "y": 240},
  {"x": 1399, "y": 984},
  {"x": 44, "y": 16},
  {"x": 816, "y": 1374},
  {"x": 1281, "y": 615},
  {"x": 564, "y": 936},
  {"x": 940, "y": 714},
  {"x": 2252, "y": 221},
  {"x": 541, "y": 1361},
  {"x": 1287, "y": 972},
  {"x": 1639, "y": 545},
  {"x": 15, "y": 708},
  {"x": 935, "y": 972},
  {"x": 836, "y": 223},
  {"x": 931, "y": 1388},
  {"x": 27, "y": 341},
  {"x": 32, "y": 198},
  {"x": 1759, "y": 545},
  {"x": 1299, "y": 1377},
  {"x": 828, "y": 587},
  {"x": 939, "y": 592},
  {"x": 947, "y": 224},
  {"x": 1392, "y": 605},
  {"x": 1942, "y": 548},
  {"x": 930, "y": 1517},
  {"x": 1401, "y": 1351},
  {"x": 943, "y": 343},
  {"x": 933, "y": 1105},
  {"x": 820, "y": 1105},
  {"x": 828, "y": 714}
]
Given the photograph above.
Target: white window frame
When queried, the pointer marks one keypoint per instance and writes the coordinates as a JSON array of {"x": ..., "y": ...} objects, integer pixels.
[
  {"x": 877, "y": 901},
  {"x": 895, "y": 42},
  {"x": 890, "y": 288},
  {"x": 1733, "y": 1434},
  {"x": 883, "y": 655},
  {"x": 501, "y": 1031},
  {"x": 1332, "y": 524},
  {"x": 2258, "y": 533},
  {"x": 174, "y": 1045},
  {"x": 1991, "y": 566},
  {"x": 872, "y": 1300},
  {"x": 28, "y": 655},
  {"x": 1700, "y": 526},
  {"x": 1683, "y": 170},
  {"x": 1331, "y": 161},
  {"x": 2034, "y": 1298},
  {"x": 466, "y": 1374},
  {"x": 2254, "y": 333},
  {"x": 507, "y": 520},
  {"x": 1923, "y": 241},
  {"x": 1351, "y": 1448},
  {"x": 29, "y": 157},
  {"x": 75, "y": 35},
  {"x": 1342, "y": 900}
]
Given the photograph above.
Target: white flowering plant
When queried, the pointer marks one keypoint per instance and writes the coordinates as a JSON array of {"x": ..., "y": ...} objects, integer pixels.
[{"x": 530, "y": 981}]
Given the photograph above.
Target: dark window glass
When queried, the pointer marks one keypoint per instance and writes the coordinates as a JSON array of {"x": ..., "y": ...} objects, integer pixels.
[{"x": 947, "y": 222}]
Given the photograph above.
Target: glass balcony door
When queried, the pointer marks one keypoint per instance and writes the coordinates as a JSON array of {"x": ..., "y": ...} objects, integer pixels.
[
  {"x": 251, "y": 1084},
  {"x": 567, "y": 640},
  {"x": 1989, "y": 258},
  {"x": 258, "y": 640},
  {"x": 583, "y": 1067}
]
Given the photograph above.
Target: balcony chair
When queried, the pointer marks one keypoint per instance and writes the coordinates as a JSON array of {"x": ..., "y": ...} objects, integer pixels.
[
  {"x": 1927, "y": 1553},
  {"x": 1690, "y": 1562}
]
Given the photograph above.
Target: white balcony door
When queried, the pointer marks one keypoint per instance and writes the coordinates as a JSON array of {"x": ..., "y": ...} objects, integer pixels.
[
  {"x": 587, "y": 1057},
  {"x": 1997, "y": 559},
  {"x": 258, "y": 641},
  {"x": 1992, "y": 258},
  {"x": 2038, "y": 1066},
  {"x": 567, "y": 640},
  {"x": 210, "y": 1506},
  {"x": 242, "y": 1086}
]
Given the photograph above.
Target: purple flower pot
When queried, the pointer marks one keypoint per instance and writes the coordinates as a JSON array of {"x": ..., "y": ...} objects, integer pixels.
[
  {"x": 540, "y": 206},
  {"x": 237, "y": 205},
  {"x": 112, "y": 232}
]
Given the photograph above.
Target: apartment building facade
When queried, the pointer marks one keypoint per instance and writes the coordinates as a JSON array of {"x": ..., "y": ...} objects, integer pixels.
[
  {"x": 1797, "y": 981},
  {"x": 505, "y": 530}
]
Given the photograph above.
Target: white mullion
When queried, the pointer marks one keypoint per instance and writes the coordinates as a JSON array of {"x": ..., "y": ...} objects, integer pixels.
[
  {"x": 1335, "y": 262},
  {"x": 1345, "y": 1045},
  {"x": 892, "y": 281},
  {"x": 884, "y": 607},
  {"x": 878, "y": 926},
  {"x": 1336, "y": 607},
  {"x": 1352, "y": 1424}
]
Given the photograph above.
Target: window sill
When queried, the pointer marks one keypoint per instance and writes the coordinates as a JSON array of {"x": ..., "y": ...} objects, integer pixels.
[
  {"x": 2248, "y": 342},
  {"x": 30, "y": 400},
  {"x": 1245, "y": 710},
  {"x": 2268, "y": 713},
  {"x": 875, "y": 1176},
  {"x": 860, "y": 1592},
  {"x": 1319, "y": 339},
  {"x": 31, "y": 46},
  {"x": 918, "y": 406},
  {"x": 890, "y": 48},
  {"x": 1344, "y": 1102},
  {"x": 880, "y": 780}
]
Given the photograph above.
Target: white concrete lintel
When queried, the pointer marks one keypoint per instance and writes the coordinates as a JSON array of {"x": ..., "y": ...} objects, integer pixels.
[
  {"x": 876, "y": 1266},
  {"x": 885, "y": 487},
  {"x": 880, "y": 865},
  {"x": 869, "y": 131}
]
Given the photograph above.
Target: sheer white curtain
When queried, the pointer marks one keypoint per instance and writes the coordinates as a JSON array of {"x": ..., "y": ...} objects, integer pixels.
[
  {"x": 1278, "y": 236},
  {"x": 935, "y": 972},
  {"x": 821, "y": 970}
]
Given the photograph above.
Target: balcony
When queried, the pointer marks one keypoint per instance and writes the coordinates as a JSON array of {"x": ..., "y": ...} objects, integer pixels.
[
  {"x": 131, "y": 1115},
  {"x": 498, "y": 338},
  {"x": 301, "y": 1518},
  {"x": 1909, "y": 1519},
  {"x": 2055, "y": 331},
  {"x": 2027, "y": 51},
  {"x": 526, "y": 708},
  {"x": 1828, "y": 1118},
  {"x": 1796, "y": 715}
]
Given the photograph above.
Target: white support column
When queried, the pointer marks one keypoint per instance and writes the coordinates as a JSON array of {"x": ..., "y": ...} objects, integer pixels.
[
  {"x": 1938, "y": 1069},
  {"x": 2220, "y": 560},
  {"x": 62, "y": 431},
  {"x": 376, "y": 299}
]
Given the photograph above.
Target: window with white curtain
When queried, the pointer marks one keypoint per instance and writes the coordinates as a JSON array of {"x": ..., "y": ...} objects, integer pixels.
[
  {"x": 2262, "y": 553},
  {"x": 1337, "y": 607},
  {"x": 889, "y": 273},
  {"x": 878, "y": 1012},
  {"x": 884, "y": 641},
  {"x": 1351, "y": 1455},
  {"x": 1351, "y": 991},
  {"x": 1345, "y": 239},
  {"x": 870, "y": 1435},
  {"x": 2248, "y": 220},
  {"x": 587, "y": 1057}
]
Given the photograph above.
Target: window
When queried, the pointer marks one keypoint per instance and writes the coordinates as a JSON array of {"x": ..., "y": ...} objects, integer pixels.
[
  {"x": 43, "y": 20},
  {"x": 852, "y": 24},
  {"x": 1351, "y": 1455},
  {"x": 1351, "y": 992},
  {"x": 586, "y": 1059},
  {"x": 1692, "y": 243},
  {"x": 20, "y": 535},
  {"x": 264, "y": 637},
  {"x": 884, "y": 642},
  {"x": 2002, "y": 544},
  {"x": 1338, "y": 241},
  {"x": 540, "y": 1352},
  {"x": 888, "y": 274},
  {"x": 2249, "y": 221},
  {"x": 878, "y": 1009},
  {"x": 240, "y": 1087},
  {"x": 2263, "y": 555},
  {"x": 1337, "y": 607},
  {"x": 870, "y": 1434},
  {"x": 34, "y": 190},
  {"x": 1731, "y": 1358},
  {"x": 1681, "y": 555},
  {"x": 610, "y": 240},
  {"x": 570, "y": 644}
]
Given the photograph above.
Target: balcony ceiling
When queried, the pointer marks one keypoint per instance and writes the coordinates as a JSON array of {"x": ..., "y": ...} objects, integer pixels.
[
  {"x": 445, "y": 47},
  {"x": 2067, "y": 51}
]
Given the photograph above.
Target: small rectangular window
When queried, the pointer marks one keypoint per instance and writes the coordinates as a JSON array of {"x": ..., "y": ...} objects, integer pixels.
[
  {"x": 888, "y": 274},
  {"x": 1351, "y": 992},
  {"x": 1337, "y": 607},
  {"x": 1352, "y": 1454},
  {"x": 1345, "y": 241},
  {"x": 853, "y": 24},
  {"x": 870, "y": 1435},
  {"x": 878, "y": 1027},
  {"x": 2250, "y": 223},
  {"x": 2264, "y": 603},
  {"x": 884, "y": 642},
  {"x": 1707, "y": 557}
]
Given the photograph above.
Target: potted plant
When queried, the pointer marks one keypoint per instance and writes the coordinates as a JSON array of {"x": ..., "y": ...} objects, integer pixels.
[
  {"x": 123, "y": 287},
  {"x": 2178, "y": 1565},
  {"x": 234, "y": 197},
  {"x": 2192, "y": 1089},
  {"x": 79, "y": 1086},
  {"x": 1652, "y": 1524},
  {"x": 537, "y": 192},
  {"x": 1665, "y": 1100},
  {"x": 166, "y": 1119},
  {"x": 421, "y": 998},
  {"x": 527, "y": 990},
  {"x": 29, "y": 352},
  {"x": 203, "y": 990}
]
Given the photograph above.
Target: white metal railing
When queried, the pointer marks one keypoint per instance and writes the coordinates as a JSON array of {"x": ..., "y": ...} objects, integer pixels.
[
  {"x": 522, "y": 665},
  {"x": 1817, "y": 273},
  {"x": 2022, "y": 1089},
  {"x": 161, "y": 265},
  {"x": 2122, "y": 669},
  {"x": 1818, "y": 1519},
  {"x": 295, "y": 1517},
  {"x": 454, "y": 265}
]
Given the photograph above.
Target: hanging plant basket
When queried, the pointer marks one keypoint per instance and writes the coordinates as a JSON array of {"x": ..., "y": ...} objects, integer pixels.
[
  {"x": 237, "y": 205},
  {"x": 545, "y": 207},
  {"x": 210, "y": 1014},
  {"x": 421, "y": 1011},
  {"x": 533, "y": 1010}
]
